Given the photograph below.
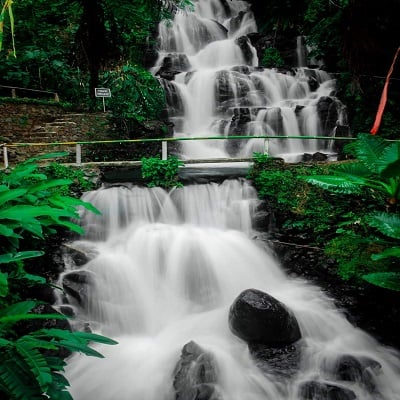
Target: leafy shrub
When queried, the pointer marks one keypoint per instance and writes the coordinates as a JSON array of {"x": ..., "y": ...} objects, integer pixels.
[
  {"x": 377, "y": 170},
  {"x": 304, "y": 209},
  {"x": 135, "y": 93},
  {"x": 80, "y": 181},
  {"x": 272, "y": 58},
  {"x": 32, "y": 363},
  {"x": 164, "y": 173}
]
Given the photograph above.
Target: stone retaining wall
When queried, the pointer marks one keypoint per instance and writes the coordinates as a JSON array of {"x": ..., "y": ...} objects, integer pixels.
[{"x": 34, "y": 123}]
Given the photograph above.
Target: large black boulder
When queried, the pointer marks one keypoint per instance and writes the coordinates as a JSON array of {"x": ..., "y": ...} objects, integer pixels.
[{"x": 257, "y": 317}]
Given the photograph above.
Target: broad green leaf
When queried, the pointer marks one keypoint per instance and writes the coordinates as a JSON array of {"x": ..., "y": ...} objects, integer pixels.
[
  {"x": 19, "y": 308},
  {"x": 65, "y": 201},
  {"x": 23, "y": 317},
  {"x": 95, "y": 337},
  {"x": 333, "y": 183},
  {"x": 25, "y": 212},
  {"x": 81, "y": 348},
  {"x": 11, "y": 194},
  {"x": 392, "y": 252},
  {"x": 387, "y": 280},
  {"x": 388, "y": 224},
  {"x": 71, "y": 226},
  {"x": 6, "y": 231},
  {"x": 3, "y": 284},
  {"x": 21, "y": 255}
]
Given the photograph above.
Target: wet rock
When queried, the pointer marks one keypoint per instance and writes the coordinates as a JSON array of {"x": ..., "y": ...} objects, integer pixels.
[
  {"x": 195, "y": 375},
  {"x": 328, "y": 109},
  {"x": 356, "y": 369},
  {"x": 173, "y": 98},
  {"x": 257, "y": 317},
  {"x": 281, "y": 361},
  {"x": 313, "y": 390},
  {"x": 80, "y": 253},
  {"x": 76, "y": 285},
  {"x": 244, "y": 43},
  {"x": 173, "y": 64},
  {"x": 318, "y": 156},
  {"x": 231, "y": 88}
]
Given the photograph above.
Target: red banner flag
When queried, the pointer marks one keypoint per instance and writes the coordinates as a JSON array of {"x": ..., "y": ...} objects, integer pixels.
[{"x": 382, "y": 103}]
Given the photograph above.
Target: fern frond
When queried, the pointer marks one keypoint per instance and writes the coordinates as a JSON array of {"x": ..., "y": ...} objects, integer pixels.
[
  {"x": 16, "y": 379},
  {"x": 58, "y": 388},
  {"x": 369, "y": 150},
  {"x": 36, "y": 362},
  {"x": 389, "y": 163},
  {"x": 353, "y": 169}
]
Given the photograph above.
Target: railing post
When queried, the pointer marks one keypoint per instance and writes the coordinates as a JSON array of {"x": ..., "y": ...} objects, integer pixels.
[
  {"x": 78, "y": 149},
  {"x": 266, "y": 144},
  {"x": 164, "y": 150},
  {"x": 5, "y": 157}
]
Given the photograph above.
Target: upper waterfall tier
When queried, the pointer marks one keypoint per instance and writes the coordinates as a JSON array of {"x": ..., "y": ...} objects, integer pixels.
[{"x": 215, "y": 86}]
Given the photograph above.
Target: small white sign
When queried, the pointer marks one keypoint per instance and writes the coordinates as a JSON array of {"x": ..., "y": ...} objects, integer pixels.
[{"x": 102, "y": 92}]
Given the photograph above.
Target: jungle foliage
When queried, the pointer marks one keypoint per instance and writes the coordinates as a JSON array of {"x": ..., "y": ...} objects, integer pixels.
[
  {"x": 350, "y": 209},
  {"x": 66, "y": 46},
  {"x": 32, "y": 210}
]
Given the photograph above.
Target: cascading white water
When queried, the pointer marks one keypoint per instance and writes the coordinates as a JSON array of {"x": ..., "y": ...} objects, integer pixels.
[
  {"x": 222, "y": 91},
  {"x": 167, "y": 268}
]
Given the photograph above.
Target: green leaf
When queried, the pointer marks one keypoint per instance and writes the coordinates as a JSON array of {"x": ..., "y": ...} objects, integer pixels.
[
  {"x": 392, "y": 252},
  {"x": 3, "y": 284},
  {"x": 21, "y": 255},
  {"x": 387, "y": 280},
  {"x": 11, "y": 194},
  {"x": 65, "y": 201},
  {"x": 389, "y": 163},
  {"x": 36, "y": 361},
  {"x": 6, "y": 231},
  {"x": 333, "y": 183},
  {"x": 21, "y": 307},
  {"x": 386, "y": 223},
  {"x": 369, "y": 150}
]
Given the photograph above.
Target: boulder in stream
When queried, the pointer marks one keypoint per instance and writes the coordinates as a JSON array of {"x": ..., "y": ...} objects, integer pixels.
[{"x": 257, "y": 317}]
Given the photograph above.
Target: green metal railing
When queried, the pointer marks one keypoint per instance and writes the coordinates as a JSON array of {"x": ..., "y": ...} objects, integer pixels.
[{"x": 164, "y": 142}]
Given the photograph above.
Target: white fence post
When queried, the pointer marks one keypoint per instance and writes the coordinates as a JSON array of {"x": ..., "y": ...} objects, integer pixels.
[
  {"x": 78, "y": 150},
  {"x": 266, "y": 144},
  {"x": 164, "y": 150},
  {"x": 5, "y": 157}
]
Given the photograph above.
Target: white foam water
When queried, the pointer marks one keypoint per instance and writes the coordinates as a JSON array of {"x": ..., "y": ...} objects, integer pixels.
[
  {"x": 168, "y": 267},
  {"x": 222, "y": 90}
]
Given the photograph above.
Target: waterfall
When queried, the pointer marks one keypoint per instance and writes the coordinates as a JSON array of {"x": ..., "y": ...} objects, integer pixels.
[
  {"x": 165, "y": 268},
  {"x": 215, "y": 86},
  {"x": 161, "y": 269}
]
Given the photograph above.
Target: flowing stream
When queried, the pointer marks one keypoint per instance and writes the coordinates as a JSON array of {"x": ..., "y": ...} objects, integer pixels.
[{"x": 165, "y": 267}]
